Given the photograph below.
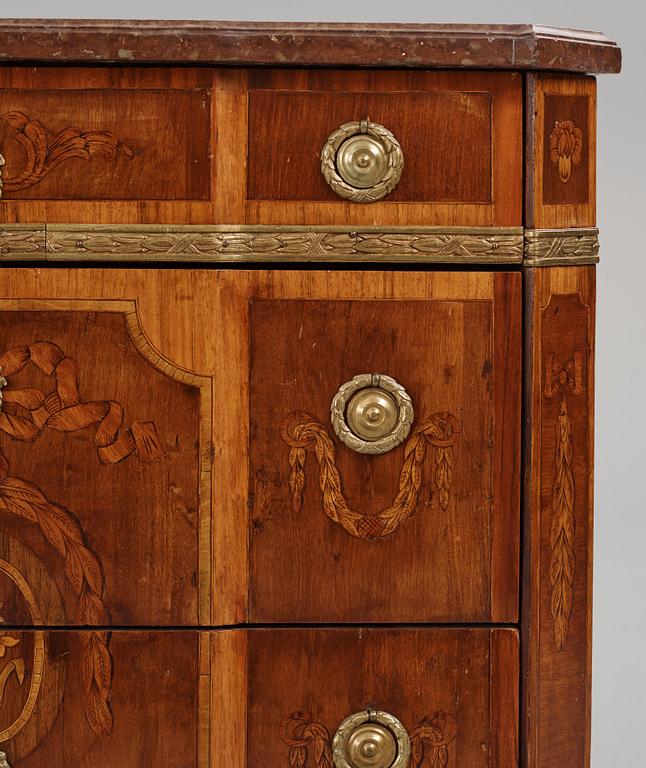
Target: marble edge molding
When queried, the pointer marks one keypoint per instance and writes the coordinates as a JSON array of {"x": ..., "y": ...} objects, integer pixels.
[
  {"x": 257, "y": 243},
  {"x": 305, "y": 44}
]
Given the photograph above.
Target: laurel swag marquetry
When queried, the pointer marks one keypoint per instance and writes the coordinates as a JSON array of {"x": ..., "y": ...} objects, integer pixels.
[{"x": 259, "y": 507}]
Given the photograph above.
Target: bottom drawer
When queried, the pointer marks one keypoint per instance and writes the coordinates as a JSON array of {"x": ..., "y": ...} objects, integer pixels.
[{"x": 259, "y": 698}]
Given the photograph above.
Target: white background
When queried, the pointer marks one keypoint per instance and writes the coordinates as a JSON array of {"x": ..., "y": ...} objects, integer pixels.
[{"x": 619, "y": 703}]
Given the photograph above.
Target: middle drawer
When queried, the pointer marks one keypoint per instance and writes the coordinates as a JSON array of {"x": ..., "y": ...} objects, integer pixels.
[
  {"x": 353, "y": 517},
  {"x": 170, "y": 456}
]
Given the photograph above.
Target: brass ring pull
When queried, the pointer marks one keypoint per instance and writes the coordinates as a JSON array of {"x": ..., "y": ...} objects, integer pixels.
[
  {"x": 371, "y": 739},
  {"x": 362, "y": 161},
  {"x": 371, "y": 413}
]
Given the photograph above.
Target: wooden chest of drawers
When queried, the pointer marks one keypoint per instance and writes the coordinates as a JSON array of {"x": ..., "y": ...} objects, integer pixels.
[{"x": 296, "y": 357}]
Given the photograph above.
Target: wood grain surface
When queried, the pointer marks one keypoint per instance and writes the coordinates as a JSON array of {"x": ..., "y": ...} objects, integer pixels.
[
  {"x": 414, "y": 327},
  {"x": 161, "y": 119},
  {"x": 560, "y": 188},
  {"x": 446, "y": 140},
  {"x": 459, "y": 686},
  {"x": 139, "y": 144},
  {"x": 162, "y": 151},
  {"x": 557, "y": 610},
  {"x": 463, "y": 169},
  {"x": 106, "y": 455},
  {"x": 153, "y": 698}
]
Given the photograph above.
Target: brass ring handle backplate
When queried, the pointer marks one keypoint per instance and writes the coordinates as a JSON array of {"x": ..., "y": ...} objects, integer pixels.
[
  {"x": 362, "y": 161},
  {"x": 371, "y": 413},
  {"x": 371, "y": 739}
]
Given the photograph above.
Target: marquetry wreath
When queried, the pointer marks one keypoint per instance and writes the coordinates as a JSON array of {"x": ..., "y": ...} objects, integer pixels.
[
  {"x": 301, "y": 431},
  {"x": 65, "y": 411}
]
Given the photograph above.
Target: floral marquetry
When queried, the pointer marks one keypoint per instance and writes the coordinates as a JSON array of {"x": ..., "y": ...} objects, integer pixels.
[{"x": 566, "y": 147}]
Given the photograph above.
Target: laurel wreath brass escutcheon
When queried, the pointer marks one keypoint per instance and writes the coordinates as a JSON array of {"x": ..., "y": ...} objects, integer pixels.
[
  {"x": 371, "y": 413},
  {"x": 371, "y": 739},
  {"x": 362, "y": 161}
]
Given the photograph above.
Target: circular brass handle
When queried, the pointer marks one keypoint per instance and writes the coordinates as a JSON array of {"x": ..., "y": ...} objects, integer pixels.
[
  {"x": 371, "y": 413},
  {"x": 362, "y": 161},
  {"x": 371, "y": 739}
]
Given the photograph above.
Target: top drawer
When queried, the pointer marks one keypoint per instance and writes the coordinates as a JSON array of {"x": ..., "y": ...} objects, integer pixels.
[{"x": 208, "y": 146}]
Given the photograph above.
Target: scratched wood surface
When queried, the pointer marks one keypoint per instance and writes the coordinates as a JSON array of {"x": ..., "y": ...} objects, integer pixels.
[{"x": 557, "y": 609}]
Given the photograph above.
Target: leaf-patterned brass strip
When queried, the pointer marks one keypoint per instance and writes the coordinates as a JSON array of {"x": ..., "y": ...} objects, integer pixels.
[
  {"x": 256, "y": 243},
  {"x": 44, "y": 155},
  {"x": 309, "y": 741},
  {"x": 300, "y": 430},
  {"x": 228, "y": 243},
  {"x": 550, "y": 247},
  {"x": 563, "y": 560},
  {"x": 22, "y": 241}
]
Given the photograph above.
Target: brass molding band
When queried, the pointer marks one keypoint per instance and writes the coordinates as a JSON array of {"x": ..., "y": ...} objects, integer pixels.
[
  {"x": 548, "y": 247},
  {"x": 453, "y": 245},
  {"x": 258, "y": 244}
]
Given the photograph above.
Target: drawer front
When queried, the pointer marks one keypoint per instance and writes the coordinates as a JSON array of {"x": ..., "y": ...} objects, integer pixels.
[
  {"x": 454, "y": 693},
  {"x": 261, "y": 697},
  {"x": 169, "y": 458},
  {"x": 92, "y": 700},
  {"x": 95, "y": 145},
  {"x": 427, "y": 528},
  {"x": 104, "y": 449},
  {"x": 205, "y": 146},
  {"x": 459, "y": 135}
]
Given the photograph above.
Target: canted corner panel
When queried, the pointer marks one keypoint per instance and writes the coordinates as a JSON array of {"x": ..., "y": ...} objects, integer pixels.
[
  {"x": 460, "y": 133},
  {"x": 561, "y": 151},
  {"x": 558, "y": 514},
  {"x": 101, "y": 474},
  {"x": 325, "y": 519},
  {"x": 58, "y": 708}
]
